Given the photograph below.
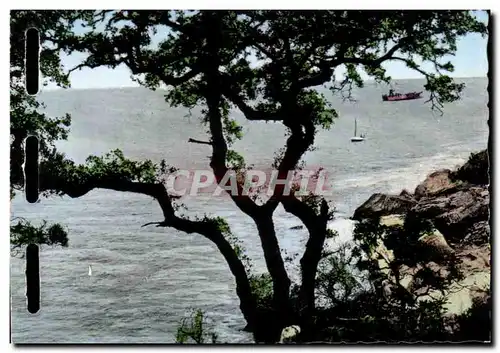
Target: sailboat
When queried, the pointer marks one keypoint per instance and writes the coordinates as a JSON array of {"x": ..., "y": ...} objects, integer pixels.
[
  {"x": 90, "y": 271},
  {"x": 356, "y": 138}
]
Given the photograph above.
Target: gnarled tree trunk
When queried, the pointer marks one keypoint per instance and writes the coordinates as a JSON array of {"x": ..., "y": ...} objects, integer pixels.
[
  {"x": 310, "y": 260},
  {"x": 275, "y": 264}
]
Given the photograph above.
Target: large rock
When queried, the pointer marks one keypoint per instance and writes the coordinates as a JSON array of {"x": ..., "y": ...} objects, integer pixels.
[
  {"x": 455, "y": 214},
  {"x": 437, "y": 183},
  {"x": 289, "y": 334},
  {"x": 381, "y": 205},
  {"x": 478, "y": 233},
  {"x": 460, "y": 295},
  {"x": 430, "y": 247},
  {"x": 435, "y": 247},
  {"x": 457, "y": 205}
]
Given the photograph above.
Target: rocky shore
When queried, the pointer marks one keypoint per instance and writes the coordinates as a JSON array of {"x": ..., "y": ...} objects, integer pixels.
[{"x": 454, "y": 245}]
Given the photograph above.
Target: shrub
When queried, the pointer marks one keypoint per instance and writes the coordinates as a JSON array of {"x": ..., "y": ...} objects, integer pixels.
[{"x": 193, "y": 329}]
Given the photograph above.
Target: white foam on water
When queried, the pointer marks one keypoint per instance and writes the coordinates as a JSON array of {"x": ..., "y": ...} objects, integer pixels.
[
  {"x": 397, "y": 179},
  {"x": 344, "y": 228}
]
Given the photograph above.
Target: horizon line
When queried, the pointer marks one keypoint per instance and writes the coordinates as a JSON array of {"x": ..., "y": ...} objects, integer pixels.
[{"x": 161, "y": 88}]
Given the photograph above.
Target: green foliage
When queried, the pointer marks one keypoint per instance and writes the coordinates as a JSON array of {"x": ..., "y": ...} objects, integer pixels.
[
  {"x": 232, "y": 130},
  {"x": 404, "y": 242},
  {"x": 54, "y": 26},
  {"x": 235, "y": 160},
  {"x": 322, "y": 113},
  {"x": 193, "y": 329},
  {"x": 336, "y": 279},
  {"x": 26, "y": 116},
  {"x": 313, "y": 201},
  {"x": 262, "y": 289},
  {"x": 60, "y": 175},
  {"x": 379, "y": 321},
  {"x": 115, "y": 166},
  {"x": 331, "y": 233},
  {"x": 401, "y": 239},
  {"x": 368, "y": 232},
  {"x": 186, "y": 94},
  {"x": 24, "y": 233},
  {"x": 415, "y": 320}
]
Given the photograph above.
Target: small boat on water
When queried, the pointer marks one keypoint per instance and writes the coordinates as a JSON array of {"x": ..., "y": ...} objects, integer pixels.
[
  {"x": 392, "y": 96},
  {"x": 356, "y": 138}
]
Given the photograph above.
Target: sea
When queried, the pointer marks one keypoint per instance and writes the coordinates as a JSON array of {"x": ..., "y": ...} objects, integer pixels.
[{"x": 145, "y": 280}]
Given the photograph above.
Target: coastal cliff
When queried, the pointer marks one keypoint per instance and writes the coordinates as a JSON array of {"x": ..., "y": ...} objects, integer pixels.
[{"x": 434, "y": 242}]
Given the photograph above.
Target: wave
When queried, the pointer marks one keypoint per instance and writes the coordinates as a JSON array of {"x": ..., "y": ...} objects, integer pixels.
[{"x": 407, "y": 177}]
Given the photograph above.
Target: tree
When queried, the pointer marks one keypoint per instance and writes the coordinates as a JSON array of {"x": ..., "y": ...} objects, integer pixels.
[
  {"x": 26, "y": 118},
  {"x": 208, "y": 58}
]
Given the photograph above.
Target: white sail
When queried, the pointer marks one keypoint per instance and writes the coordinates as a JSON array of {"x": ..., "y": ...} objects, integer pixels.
[
  {"x": 356, "y": 138},
  {"x": 90, "y": 270}
]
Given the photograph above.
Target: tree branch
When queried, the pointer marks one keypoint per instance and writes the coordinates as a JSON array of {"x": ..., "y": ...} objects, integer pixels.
[
  {"x": 214, "y": 99},
  {"x": 249, "y": 112},
  {"x": 411, "y": 65},
  {"x": 205, "y": 227},
  {"x": 325, "y": 74},
  {"x": 327, "y": 67},
  {"x": 200, "y": 142}
]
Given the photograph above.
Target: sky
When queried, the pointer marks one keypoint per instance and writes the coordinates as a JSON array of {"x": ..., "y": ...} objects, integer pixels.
[{"x": 470, "y": 61}]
